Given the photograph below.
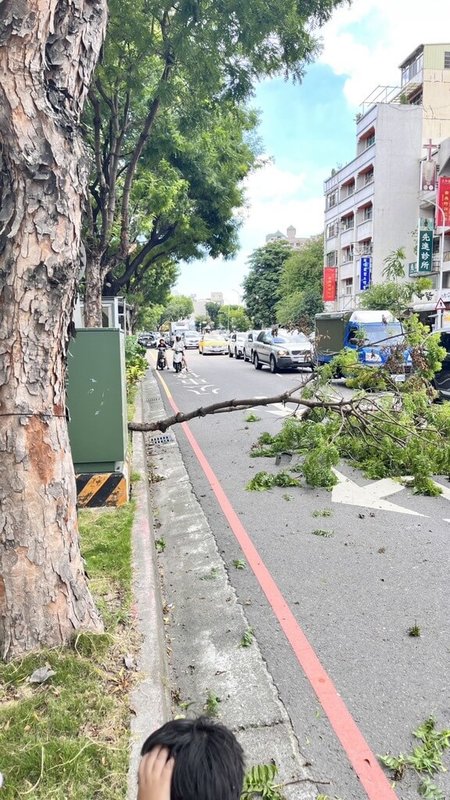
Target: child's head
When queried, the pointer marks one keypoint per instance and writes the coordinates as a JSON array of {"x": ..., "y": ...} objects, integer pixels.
[{"x": 209, "y": 761}]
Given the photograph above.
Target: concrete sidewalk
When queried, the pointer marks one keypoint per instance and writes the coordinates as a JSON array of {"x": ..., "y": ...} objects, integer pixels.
[{"x": 191, "y": 622}]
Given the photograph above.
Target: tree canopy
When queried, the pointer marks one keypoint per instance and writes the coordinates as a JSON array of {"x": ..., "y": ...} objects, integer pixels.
[
  {"x": 178, "y": 307},
  {"x": 233, "y": 318},
  {"x": 301, "y": 286},
  {"x": 395, "y": 294},
  {"x": 262, "y": 283},
  {"x": 175, "y": 177},
  {"x": 212, "y": 310}
]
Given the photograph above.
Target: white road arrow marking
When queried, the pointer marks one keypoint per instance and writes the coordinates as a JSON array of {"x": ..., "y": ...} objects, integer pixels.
[{"x": 349, "y": 493}]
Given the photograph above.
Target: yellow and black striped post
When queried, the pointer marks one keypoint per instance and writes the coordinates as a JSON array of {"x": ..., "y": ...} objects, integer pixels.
[{"x": 101, "y": 489}]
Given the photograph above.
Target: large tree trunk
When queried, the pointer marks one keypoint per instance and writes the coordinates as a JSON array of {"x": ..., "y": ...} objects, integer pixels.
[
  {"x": 93, "y": 293},
  {"x": 49, "y": 51}
]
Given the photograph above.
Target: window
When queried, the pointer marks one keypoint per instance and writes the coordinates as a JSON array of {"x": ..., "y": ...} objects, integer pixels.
[
  {"x": 331, "y": 230},
  {"x": 347, "y": 254},
  {"x": 348, "y": 189},
  {"x": 348, "y": 222},
  {"x": 367, "y": 213},
  {"x": 370, "y": 140},
  {"x": 368, "y": 177},
  {"x": 331, "y": 200},
  {"x": 447, "y": 59},
  {"x": 348, "y": 285},
  {"x": 365, "y": 247},
  {"x": 331, "y": 258}
]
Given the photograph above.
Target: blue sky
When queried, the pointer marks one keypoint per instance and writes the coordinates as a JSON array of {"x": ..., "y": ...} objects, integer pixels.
[{"x": 307, "y": 129}]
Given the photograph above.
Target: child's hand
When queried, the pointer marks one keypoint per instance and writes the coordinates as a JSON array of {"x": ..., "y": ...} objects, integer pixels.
[{"x": 155, "y": 775}]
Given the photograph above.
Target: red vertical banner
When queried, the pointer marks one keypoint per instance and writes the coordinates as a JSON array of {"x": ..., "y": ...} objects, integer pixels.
[
  {"x": 443, "y": 203},
  {"x": 329, "y": 283}
]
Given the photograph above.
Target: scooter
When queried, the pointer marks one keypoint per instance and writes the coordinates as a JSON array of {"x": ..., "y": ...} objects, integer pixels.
[
  {"x": 178, "y": 360},
  {"x": 161, "y": 362}
]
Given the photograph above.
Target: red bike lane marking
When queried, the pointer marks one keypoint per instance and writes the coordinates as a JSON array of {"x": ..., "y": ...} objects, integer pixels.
[{"x": 363, "y": 761}]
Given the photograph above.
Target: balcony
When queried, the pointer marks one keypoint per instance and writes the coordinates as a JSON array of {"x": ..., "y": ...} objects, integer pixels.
[
  {"x": 346, "y": 271},
  {"x": 347, "y": 236},
  {"x": 364, "y": 229}
]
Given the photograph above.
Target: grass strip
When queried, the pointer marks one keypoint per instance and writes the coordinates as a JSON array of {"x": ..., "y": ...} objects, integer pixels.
[{"x": 68, "y": 737}]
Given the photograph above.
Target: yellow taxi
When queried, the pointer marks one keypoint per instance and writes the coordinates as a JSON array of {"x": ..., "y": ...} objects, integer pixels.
[{"x": 212, "y": 343}]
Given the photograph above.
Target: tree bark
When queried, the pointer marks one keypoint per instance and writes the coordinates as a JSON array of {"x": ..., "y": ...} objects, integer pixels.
[
  {"x": 93, "y": 292},
  {"x": 48, "y": 49}
]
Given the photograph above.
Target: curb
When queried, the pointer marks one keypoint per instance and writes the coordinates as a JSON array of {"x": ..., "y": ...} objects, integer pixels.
[
  {"x": 150, "y": 703},
  {"x": 205, "y": 621}
]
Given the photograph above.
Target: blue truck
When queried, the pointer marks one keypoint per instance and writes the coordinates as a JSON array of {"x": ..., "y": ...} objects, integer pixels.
[{"x": 371, "y": 333}]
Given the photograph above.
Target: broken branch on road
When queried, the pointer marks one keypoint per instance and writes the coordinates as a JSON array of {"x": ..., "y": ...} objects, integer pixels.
[{"x": 225, "y": 406}]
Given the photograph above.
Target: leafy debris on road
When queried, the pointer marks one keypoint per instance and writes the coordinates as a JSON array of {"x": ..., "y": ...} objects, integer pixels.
[
  {"x": 425, "y": 758},
  {"x": 264, "y": 480}
]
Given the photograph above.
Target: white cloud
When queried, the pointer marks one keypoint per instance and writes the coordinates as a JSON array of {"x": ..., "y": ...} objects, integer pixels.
[
  {"x": 273, "y": 203},
  {"x": 372, "y": 59}
]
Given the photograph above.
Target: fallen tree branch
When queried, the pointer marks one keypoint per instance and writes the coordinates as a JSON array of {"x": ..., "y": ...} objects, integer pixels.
[{"x": 226, "y": 406}]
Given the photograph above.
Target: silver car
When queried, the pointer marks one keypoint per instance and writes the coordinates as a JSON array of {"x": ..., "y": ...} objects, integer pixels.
[
  {"x": 282, "y": 351},
  {"x": 191, "y": 339},
  {"x": 249, "y": 343}
]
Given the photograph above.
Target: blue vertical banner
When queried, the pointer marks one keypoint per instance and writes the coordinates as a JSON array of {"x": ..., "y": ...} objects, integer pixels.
[{"x": 365, "y": 273}]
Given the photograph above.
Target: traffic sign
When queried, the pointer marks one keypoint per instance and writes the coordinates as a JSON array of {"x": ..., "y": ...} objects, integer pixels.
[{"x": 440, "y": 305}]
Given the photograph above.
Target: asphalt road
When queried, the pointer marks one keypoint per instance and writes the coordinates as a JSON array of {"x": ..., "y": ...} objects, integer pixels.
[{"x": 355, "y": 594}]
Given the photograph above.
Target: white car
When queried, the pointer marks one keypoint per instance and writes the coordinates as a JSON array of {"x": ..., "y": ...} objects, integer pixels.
[
  {"x": 236, "y": 345},
  {"x": 249, "y": 340}
]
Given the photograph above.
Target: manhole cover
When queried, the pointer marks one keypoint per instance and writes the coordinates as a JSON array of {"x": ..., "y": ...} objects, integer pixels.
[{"x": 165, "y": 438}]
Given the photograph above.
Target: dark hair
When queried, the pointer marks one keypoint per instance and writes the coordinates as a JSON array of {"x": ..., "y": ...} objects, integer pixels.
[{"x": 209, "y": 761}]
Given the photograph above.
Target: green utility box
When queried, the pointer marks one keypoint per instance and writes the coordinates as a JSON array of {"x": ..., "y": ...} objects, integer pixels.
[{"x": 96, "y": 399}]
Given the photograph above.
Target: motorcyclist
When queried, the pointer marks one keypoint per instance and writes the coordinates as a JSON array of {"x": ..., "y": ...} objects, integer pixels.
[
  {"x": 161, "y": 361},
  {"x": 178, "y": 353}
]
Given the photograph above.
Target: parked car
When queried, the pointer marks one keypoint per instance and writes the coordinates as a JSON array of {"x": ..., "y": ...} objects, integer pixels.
[
  {"x": 282, "y": 351},
  {"x": 148, "y": 339},
  {"x": 236, "y": 345},
  {"x": 191, "y": 339},
  {"x": 212, "y": 343},
  {"x": 249, "y": 340},
  {"x": 441, "y": 380}
]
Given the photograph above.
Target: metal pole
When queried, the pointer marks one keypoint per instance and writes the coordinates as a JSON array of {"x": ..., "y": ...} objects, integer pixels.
[{"x": 441, "y": 263}]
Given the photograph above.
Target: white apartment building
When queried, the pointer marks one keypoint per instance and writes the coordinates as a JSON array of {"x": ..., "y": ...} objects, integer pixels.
[{"x": 372, "y": 204}]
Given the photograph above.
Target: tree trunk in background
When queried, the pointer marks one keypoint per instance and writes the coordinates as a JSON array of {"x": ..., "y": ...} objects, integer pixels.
[
  {"x": 93, "y": 293},
  {"x": 48, "y": 51}
]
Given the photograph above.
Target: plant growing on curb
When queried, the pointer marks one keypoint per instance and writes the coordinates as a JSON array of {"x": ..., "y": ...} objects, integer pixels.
[
  {"x": 414, "y": 630},
  {"x": 135, "y": 362},
  {"x": 211, "y": 575},
  {"x": 239, "y": 563},
  {"x": 212, "y": 704},
  {"x": 252, "y": 417},
  {"x": 247, "y": 638},
  {"x": 160, "y": 545},
  {"x": 321, "y": 532}
]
